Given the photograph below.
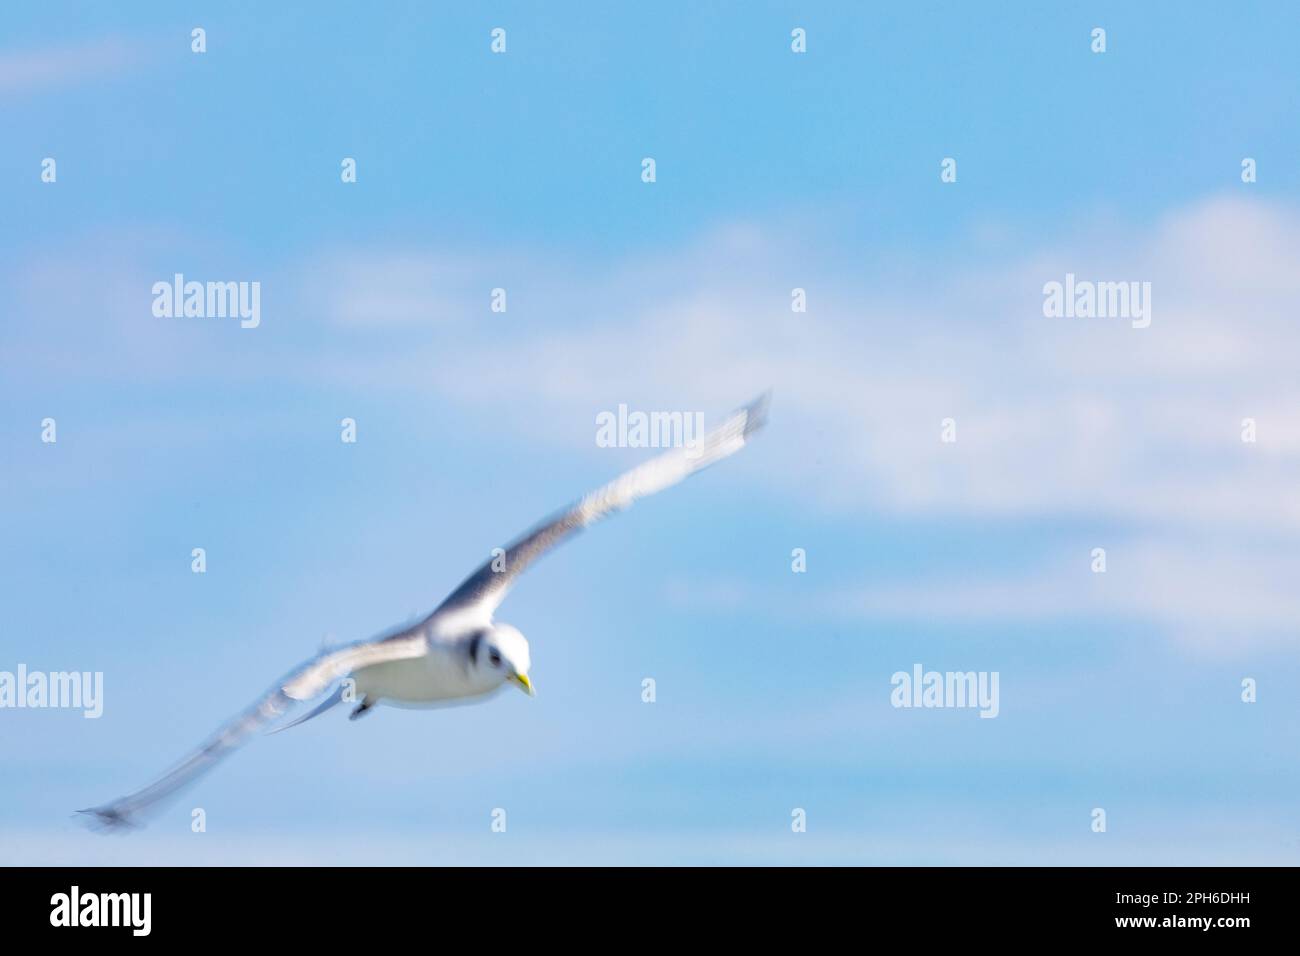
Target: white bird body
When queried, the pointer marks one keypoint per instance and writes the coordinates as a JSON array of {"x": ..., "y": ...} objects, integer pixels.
[
  {"x": 437, "y": 676},
  {"x": 456, "y": 653}
]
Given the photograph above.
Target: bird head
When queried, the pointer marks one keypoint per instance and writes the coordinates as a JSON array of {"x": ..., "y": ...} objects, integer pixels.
[{"x": 504, "y": 652}]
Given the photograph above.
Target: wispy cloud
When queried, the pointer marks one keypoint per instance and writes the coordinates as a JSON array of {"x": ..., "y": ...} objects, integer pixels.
[
  {"x": 1054, "y": 416},
  {"x": 1136, "y": 432},
  {"x": 27, "y": 71}
]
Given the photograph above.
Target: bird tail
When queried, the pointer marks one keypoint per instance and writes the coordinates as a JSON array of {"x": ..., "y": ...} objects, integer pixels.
[{"x": 332, "y": 700}]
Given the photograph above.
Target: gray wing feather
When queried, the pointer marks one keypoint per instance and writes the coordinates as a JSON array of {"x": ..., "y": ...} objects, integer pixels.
[
  {"x": 303, "y": 683},
  {"x": 484, "y": 590}
]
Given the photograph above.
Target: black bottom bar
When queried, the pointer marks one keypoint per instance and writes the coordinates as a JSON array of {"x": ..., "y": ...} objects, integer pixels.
[{"x": 310, "y": 906}]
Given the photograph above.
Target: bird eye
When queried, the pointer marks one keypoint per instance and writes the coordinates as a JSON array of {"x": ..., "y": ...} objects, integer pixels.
[{"x": 495, "y": 657}]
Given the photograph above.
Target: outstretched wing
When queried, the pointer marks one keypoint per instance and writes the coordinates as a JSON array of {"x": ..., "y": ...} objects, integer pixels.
[
  {"x": 303, "y": 683},
  {"x": 484, "y": 590}
]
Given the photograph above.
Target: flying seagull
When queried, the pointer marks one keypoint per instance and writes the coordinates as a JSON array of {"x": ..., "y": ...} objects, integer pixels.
[{"x": 457, "y": 652}]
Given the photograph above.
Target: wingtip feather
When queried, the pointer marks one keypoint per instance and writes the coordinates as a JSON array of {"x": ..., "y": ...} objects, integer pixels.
[
  {"x": 109, "y": 819},
  {"x": 756, "y": 413}
]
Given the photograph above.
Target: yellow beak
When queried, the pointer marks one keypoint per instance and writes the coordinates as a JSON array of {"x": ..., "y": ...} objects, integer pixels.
[{"x": 523, "y": 681}]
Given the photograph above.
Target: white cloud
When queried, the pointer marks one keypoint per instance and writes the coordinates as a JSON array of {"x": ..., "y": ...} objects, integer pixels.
[
  {"x": 24, "y": 71},
  {"x": 428, "y": 289},
  {"x": 1055, "y": 416},
  {"x": 1082, "y": 420}
]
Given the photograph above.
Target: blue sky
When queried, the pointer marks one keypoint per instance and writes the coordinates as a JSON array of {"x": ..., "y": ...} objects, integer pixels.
[{"x": 774, "y": 171}]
